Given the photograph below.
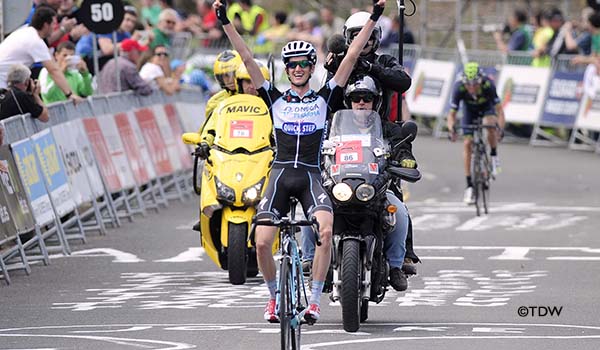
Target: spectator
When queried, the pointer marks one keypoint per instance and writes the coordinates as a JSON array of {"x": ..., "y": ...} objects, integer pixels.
[
  {"x": 583, "y": 30},
  {"x": 22, "y": 95},
  {"x": 26, "y": 45},
  {"x": 156, "y": 71},
  {"x": 276, "y": 33},
  {"x": 165, "y": 29},
  {"x": 61, "y": 29},
  {"x": 558, "y": 44},
  {"x": 541, "y": 37},
  {"x": 252, "y": 19},
  {"x": 520, "y": 36},
  {"x": 150, "y": 12},
  {"x": 66, "y": 8},
  {"x": 393, "y": 34},
  {"x": 75, "y": 70},
  {"x": 307, "y": 28},
  {"x": 594, "y": 21},
  {"x": 129, "y": 77},
  {"x": 330, "y": 23}
]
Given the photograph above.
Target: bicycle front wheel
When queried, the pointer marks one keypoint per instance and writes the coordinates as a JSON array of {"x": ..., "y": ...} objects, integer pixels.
[
  {"x": 285, "y": 310},
  {"x": 477, "y": 179}
]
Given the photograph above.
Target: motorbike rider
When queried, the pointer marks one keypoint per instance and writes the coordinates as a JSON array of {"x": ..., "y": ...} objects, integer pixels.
[
  {"x": 364, "y": 94},
  {"x": 299, "y": 116},
  {"x": 391, "y": 75},
  {"x": 480, "y": 100}
]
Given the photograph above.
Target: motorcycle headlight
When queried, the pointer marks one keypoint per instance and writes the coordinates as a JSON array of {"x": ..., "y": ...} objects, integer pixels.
[
  {"x": 342, "y": 192},
  {"x": 251, "y": 195},
  {"x": 365, "y": 192},
  {"x": 224, "y": 192}
]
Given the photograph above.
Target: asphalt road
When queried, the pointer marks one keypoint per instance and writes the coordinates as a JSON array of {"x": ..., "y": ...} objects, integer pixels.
[{"x": 524, "y": 277}]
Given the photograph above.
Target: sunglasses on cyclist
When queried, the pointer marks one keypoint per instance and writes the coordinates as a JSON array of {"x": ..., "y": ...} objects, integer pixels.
[
  {"x": 356, "y": 98},
  {"x": 302, "y": 64}
]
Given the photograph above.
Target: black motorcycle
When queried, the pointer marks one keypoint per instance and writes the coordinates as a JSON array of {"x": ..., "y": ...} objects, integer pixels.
[{"x": 357, "y": 173}]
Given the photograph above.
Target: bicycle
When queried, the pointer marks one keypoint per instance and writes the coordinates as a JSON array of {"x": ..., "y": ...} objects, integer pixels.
[
  {"x": 292, "y": 299},
  {"x": 481, "y": 166}
]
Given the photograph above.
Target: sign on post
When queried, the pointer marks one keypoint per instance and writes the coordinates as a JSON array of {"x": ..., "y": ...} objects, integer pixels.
[
  {"x": 101, "y": 16},
  {"x": 15, "y": 199},
  {"x": 521, "y": 90},
  {"x": 432, "y": 82}
]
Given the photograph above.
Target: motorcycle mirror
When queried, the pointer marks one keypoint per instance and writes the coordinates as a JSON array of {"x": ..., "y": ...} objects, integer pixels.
[
  {"x": 409, "y": 131},
  {"x": 191, "y": 138}
]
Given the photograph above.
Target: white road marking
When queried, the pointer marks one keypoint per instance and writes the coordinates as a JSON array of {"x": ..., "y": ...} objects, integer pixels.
[
  {"x": 442, "y": 258},
  {"x": 119, "y": 256},
  {"x": 471, "y": 224},
  {"x": 114, "y": 340},
  {"x": 574, "y": 258},
  {"x": 498, "y": 330},
  {"x": 192, "y": 254},
  {"x": 512, "y": 253}
]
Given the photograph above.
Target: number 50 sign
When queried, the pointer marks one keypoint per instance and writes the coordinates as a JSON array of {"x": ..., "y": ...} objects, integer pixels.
[{"x": 101, "y": 16}]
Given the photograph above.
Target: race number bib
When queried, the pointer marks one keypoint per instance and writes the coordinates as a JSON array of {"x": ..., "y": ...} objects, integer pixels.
[
  {"x": 241, "y": 129},
  {"x": 349, "y": 152}
]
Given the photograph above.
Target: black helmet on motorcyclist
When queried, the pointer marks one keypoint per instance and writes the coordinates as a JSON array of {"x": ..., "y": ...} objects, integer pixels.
[{"x": 363, "y": 88}]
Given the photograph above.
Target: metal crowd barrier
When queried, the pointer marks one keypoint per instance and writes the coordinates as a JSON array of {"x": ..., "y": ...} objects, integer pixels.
[{"x": 108, "y": 206}]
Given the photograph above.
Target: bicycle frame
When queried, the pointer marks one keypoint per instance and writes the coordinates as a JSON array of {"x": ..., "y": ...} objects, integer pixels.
[{"x": 291, "y": 297}]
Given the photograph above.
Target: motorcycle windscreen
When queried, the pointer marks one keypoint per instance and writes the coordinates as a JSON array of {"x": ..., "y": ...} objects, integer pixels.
[
  {"x": 357, "y": 135},
  {"x": 243, "y": 123}
]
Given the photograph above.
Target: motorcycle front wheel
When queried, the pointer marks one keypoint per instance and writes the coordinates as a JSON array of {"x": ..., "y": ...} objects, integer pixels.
[
  {"x": 351, "y": 285},
  {"x": 237, "y": 253}
]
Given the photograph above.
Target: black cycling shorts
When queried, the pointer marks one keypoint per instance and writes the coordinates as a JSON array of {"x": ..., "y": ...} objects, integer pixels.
[{"x": 289, "y": 182}]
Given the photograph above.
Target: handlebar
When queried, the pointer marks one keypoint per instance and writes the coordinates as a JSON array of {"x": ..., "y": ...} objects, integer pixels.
[
  {"x": 286, "y": 222},
  {"x": 406, "y": 174}
]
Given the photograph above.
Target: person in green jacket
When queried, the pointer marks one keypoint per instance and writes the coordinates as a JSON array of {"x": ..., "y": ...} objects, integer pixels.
[{"x": 75, "y": 70}]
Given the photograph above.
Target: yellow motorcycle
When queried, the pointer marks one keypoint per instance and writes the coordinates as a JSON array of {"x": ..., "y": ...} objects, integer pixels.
[{"x": 233, "y": 181}]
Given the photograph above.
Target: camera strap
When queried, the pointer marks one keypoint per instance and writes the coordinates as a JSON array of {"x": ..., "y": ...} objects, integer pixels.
[{"x": 16, "y": 101}]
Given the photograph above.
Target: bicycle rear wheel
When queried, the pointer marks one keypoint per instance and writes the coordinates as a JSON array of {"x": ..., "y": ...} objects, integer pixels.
[
  {"x": 485, "y": 188},
  {"x": 477, "y": 177}
]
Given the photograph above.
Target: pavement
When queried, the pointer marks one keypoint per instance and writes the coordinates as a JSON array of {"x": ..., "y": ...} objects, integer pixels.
[{"x": 523, "y": 277}]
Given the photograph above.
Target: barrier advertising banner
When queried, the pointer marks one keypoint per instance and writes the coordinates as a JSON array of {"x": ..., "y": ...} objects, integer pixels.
[
  {"x": 521, "y": 90},
  {"x": 72, "y": 158},
  {"x": 130, "y": 145},
  {"x": 53, "y": 171},
  {"x": 15, "y": 214},
  {"x": 31, "y": 177},
  {"x": 142, "y": 148},
  {"x": 87, "y": 156},
  {"x": 116, "y": 150},
  {"x": 432, "y": 83},
  {"x": 192, "y": 115},
  {"x": 167, "y": 135},
  {"x": 563, "y": 99},
  {"x": 184, "y": 151},
  {"x": 588, "y": 117},
  {"x": 154, "y": 141},
  {"x": 98, "y": 143}
]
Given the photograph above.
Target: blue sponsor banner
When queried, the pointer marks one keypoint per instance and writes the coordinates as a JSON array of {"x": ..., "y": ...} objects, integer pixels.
[
  {"x": 50, "y": 160},
  {"x": 563, "y": 99},
  {"x": 24, "y": 155}
]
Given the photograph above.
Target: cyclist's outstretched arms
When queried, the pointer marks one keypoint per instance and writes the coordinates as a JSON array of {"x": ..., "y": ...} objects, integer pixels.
[
  {"x": 238, "y": 43},
  {"x": 349, "y": 61},
  {"x": 451, "y": 120}
]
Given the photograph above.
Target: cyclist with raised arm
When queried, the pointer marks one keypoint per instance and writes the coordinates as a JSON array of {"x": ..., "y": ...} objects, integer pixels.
[
  {"x": 478, "y": 92},
  {"x": 300, "y": 117}
]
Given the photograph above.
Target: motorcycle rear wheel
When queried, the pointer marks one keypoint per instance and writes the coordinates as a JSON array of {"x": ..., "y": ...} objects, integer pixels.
[
  {"x": 351, "y": 285},
  {"x": 237, "y": 253}
]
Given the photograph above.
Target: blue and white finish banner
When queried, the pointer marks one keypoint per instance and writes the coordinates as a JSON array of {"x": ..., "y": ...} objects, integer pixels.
[
  {"x": 521, "y": 90},
  {"x": 53, "y": 171},
  {"x": 431, "y": 87},
  {"x": 31, "y": 177},
  {"x": 563, "y": 99}
]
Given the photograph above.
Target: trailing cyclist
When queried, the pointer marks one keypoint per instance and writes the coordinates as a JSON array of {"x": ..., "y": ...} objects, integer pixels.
[
  {"x": 480, "y": 101},
  {"x": 300, "y": 117}
]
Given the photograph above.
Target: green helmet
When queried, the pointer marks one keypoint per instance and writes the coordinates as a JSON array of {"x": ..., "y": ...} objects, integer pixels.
[{"x": 472, "y": 73}]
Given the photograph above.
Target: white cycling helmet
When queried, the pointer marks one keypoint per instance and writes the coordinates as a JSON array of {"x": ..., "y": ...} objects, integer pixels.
[
  {"x": 354, "y": 24},
  {"x": 299, "y": 48}
]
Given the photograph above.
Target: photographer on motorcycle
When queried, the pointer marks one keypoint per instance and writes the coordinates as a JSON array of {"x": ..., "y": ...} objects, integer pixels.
[
  {"x": 391, "y": 75},
  {"x": 300, "y": 116}
]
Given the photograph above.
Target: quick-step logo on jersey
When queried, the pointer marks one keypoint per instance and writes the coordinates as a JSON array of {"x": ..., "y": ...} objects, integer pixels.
[{"x": 299, "y": 128}]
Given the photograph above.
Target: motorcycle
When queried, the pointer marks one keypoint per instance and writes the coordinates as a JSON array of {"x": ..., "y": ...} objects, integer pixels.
[
  {"x": 233, "y": 181},
  {"x": 357, "y": 173}
]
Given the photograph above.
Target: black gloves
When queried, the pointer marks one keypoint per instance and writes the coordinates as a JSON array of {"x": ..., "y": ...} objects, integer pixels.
[
  {"x": 203, "y": 150},
  {"x": 377, "y": 12},
  {"x": 222, "y": 13}
]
